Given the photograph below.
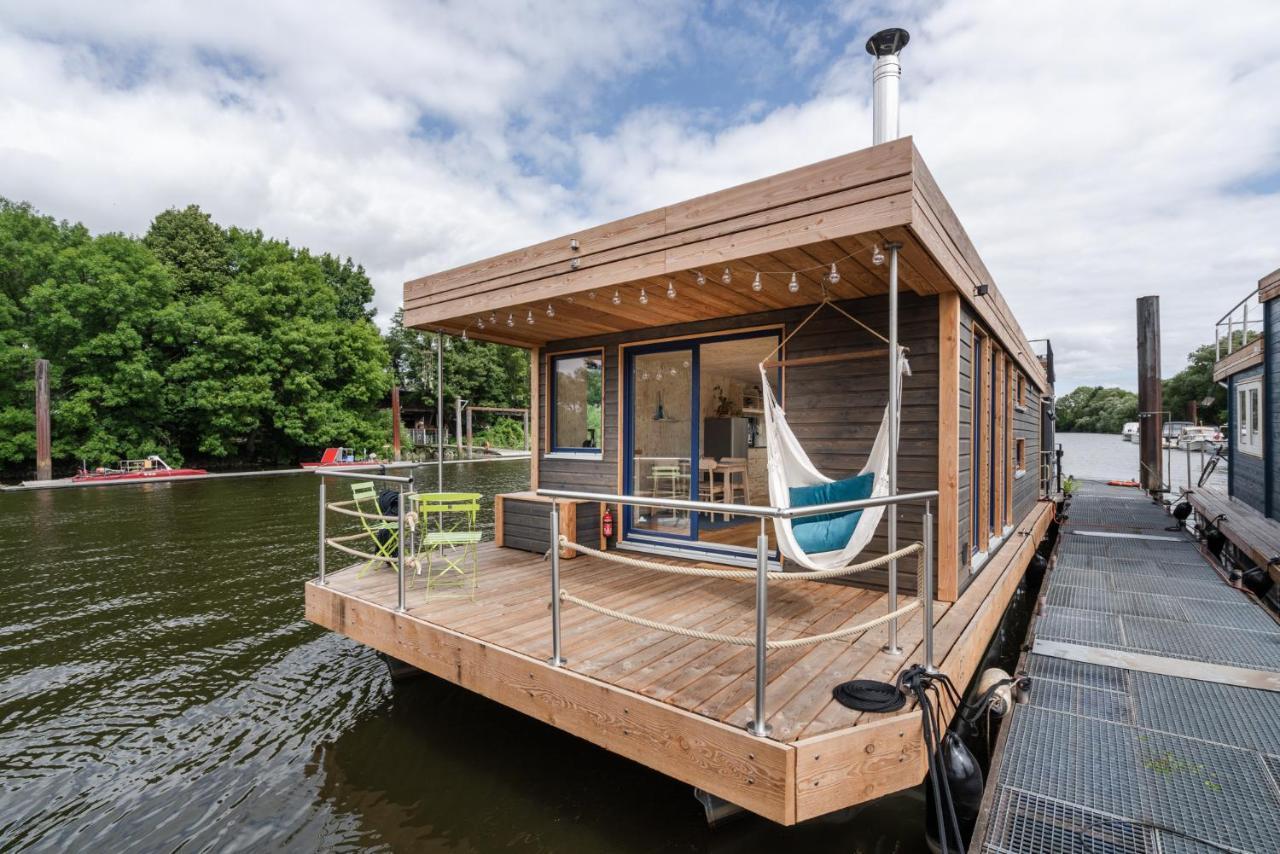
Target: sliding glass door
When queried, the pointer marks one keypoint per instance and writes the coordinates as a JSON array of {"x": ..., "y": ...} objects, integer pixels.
[{"x": 660, "y": 430}]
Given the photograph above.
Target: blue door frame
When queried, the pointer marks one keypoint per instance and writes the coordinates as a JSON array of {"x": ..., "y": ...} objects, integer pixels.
[{"x": 694, "y": 346}]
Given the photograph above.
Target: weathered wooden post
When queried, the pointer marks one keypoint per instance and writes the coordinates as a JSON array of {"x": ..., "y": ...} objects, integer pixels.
[
  {"x": 457, "y": 423},
  {"x": 471, "y": 450},
  {"x": 395, "y": 423},
  {"x": 44, "y": 459},
  {"x": 1150, "y": 395}
]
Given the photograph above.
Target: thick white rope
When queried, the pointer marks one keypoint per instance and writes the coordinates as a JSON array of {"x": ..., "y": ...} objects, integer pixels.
[
  {"x": 336, "y": 542},
  {"x": 736, "y": 640},
  {"x": 341, "y": 507},
  {"x": 749, "y": 574}
]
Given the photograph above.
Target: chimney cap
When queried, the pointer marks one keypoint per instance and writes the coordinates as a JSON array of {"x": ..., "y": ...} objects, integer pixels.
[{"x": 888, "y": 42}]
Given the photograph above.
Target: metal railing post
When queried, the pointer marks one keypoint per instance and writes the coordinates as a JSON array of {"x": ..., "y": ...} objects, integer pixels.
[
  {"x": 926, "y": 522},
  {"x": 556, "y": 659},
  {"x": 1231, "y": 333},
  {"x": 1188, "y": 453},
  {"x": 758, "y": 725},
  {"x": 322, "y": 534},
  {"x": 400, "y": 547},
  {"x": 895, "y": 376}
]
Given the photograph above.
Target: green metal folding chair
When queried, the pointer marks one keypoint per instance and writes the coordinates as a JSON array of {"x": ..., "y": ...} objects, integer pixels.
[
  {"x": 384, "y": 535},
  {"x": 448, "y": 540}
]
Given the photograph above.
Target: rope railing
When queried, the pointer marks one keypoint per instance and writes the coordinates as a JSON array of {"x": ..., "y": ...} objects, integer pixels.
[
  {"x": 343, "y": 508},
  {"x": 750, "y": 574},
  {"x": 336, "y": 542},
  {"x": 737, "y": 640}
]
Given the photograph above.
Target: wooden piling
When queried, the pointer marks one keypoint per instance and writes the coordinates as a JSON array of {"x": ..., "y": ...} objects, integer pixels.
[
  {"x": 1150, "y": 395},
  {"x": 44, "y": 459}
]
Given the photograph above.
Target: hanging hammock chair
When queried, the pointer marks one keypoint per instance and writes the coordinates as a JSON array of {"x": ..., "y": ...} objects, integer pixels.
[{"x": 832, "y": 540}]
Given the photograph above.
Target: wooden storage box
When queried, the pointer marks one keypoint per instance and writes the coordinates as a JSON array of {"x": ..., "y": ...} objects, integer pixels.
[{"x": 521, "y": 521}]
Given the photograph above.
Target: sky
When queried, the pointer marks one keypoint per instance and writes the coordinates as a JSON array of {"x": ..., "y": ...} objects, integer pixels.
[{"x": 1095, "y": 151}]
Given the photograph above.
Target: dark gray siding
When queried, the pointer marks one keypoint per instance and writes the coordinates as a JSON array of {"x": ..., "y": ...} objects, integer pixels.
[
  {"x": 1246, "y": 476},
  {"x": 526, "y": 525},
  {"x": 1026, "y": 425},
  {"x": 835, "y": 409},
  {"x": 1272, "y": 383}
]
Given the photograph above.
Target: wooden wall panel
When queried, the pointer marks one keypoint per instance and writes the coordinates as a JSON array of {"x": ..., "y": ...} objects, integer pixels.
[{"x": 947, "y": 534}]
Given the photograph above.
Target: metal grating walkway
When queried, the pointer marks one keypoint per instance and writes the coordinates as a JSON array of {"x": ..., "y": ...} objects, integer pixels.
[{"x": 1117, "y": 760}]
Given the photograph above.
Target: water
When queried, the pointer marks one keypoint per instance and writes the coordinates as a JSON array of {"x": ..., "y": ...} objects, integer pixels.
[
  {"x": 160, "y": 691},
  {"x": 1102, "y": 456}
]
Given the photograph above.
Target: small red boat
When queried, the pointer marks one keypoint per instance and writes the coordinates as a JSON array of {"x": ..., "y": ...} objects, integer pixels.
[
  {"x": 151, "y": 468},
  {"x": 338, "y": 457}
]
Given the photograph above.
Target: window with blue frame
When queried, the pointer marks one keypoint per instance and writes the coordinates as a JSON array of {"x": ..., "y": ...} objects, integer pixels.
[{"x": 576, "y": 402}]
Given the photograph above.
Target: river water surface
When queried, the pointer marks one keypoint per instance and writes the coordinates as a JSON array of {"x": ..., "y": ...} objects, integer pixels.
[{"x": 160, "y": 691}]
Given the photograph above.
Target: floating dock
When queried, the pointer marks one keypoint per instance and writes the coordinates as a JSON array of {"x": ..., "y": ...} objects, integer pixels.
[{"x": 1153, "y": 723}]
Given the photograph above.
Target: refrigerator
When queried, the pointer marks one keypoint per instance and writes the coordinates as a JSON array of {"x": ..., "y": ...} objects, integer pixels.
[{"x": 724, "y": 437}]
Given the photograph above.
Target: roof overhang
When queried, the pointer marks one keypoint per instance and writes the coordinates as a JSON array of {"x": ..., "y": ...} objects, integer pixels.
[{"x": 799, "y": 221}]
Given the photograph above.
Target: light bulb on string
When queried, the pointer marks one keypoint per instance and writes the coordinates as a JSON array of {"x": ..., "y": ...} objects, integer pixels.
[
  {"x": 726, "y": 277},
  {"x": 529, "y": 317},
  {"x": 551, "y": 310},
  {"x": 794, "y": 284},
  {"x": 493, "y": 318},
  {"x": 644, "y": 298},
  {"x": 617, "y": 298},
  {"x": 833, "y": 278},
  {"x": 756, "y": 284},
  {"x": 592, "y": 294},
  {"x": 479, "y": 323},
  {"x": 671, "y": 289},
  {"x": 464, "y": 335},
  {"x": 700, "y": 279},
  {"x": 877, "y": 257},
  {"x": 511, "y": 321}
]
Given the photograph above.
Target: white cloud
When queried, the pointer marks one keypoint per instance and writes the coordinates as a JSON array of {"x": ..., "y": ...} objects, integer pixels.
[{"x": 1095, "y": 151}]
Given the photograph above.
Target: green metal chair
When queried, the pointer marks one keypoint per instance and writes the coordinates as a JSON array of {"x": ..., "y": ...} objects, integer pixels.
[
  {"x": 366, "y": 501},
  {"x": 448, "y": 539}
]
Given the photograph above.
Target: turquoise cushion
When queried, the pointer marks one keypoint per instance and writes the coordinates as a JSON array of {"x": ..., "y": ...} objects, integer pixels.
[{"x": 829, "y": 531}]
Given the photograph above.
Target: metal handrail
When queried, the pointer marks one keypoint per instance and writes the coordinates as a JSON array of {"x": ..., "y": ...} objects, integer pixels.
[
  {"x": 1245, "y": 324},
  {"x": 759, "y": 511},
  {"x": 758, "y": 725},
  {"x": 360, "y": 473}
]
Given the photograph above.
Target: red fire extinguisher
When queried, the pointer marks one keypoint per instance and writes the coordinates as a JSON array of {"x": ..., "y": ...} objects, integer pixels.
[{"x": 606, "y": 523}]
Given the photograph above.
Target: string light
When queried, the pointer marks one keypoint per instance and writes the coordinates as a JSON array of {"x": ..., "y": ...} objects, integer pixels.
[
  {"x": 833, "y": 277},
  {"x": 551, "y": 310},
  {"x": 479, "y": 323},
  {"x": 617, "y": 298},
  {"x": 671, "y": 289},
  {"x": 794, "y": 284},
  {"x": 493, "y": 318},
  {"x": 464, "y": 335},
  {"x": 701, "y": 279},
  {"x": 877, "y": 257},
  {"x": 529, "y": 317},
  {"x": 726, "y": 277},
  {"x": 644, "y": 298},
  {"x": 511, "y": 321},
  {"x": 756, "y": 284}
]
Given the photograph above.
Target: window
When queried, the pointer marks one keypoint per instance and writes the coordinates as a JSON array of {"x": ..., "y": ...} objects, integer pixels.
[
  {"x": 1021, "y": 391},
  {"x": 577, "y": 392},
  {"x": 1021, "y": 455},
  {"x": 1248, "y": 416}
]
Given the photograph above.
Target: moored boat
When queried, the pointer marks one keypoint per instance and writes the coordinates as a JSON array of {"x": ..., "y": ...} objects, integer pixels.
[
  {"x": 1130, "y": 431},
  {"x": 338, "y": 457},
  {"x": 148, "y": 468}
]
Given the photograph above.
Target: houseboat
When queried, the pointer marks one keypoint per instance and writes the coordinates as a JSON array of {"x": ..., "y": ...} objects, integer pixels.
[
  {"x": 684, "y": 362},
  {"x": 1244, "y": 516}
]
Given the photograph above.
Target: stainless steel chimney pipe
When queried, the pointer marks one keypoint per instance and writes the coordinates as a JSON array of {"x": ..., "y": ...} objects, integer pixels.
[{"x": 886, "y": 75}]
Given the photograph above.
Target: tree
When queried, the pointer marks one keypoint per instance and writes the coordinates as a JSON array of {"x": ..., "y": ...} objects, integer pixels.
[
  {"x": 1195, "y": 383},
  {"x": 1094, "y": 409},
  {"x": 194, "y": 249}
]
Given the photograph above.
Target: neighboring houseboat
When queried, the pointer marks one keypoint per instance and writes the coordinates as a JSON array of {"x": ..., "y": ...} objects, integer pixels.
[
  {"x": 1248, "y": 363},
  {"x": 655, "y": 342}
]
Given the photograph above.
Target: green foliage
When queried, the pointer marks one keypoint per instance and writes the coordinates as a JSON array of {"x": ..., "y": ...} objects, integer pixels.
[
  {"x": 1094, "y": 409},
  {"x": 505, "y": 433},
  {"x": 1195, "y": 383},
  {"x": 193, "y": 341}
]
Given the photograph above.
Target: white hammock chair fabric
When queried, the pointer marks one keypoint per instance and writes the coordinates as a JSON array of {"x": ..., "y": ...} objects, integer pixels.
[{"x": 789, "y": 466}]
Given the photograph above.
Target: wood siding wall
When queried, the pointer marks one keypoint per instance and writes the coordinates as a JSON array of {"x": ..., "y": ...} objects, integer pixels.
[
  {"x": 1272, "y": 411},
  {"x": 526, "y": 525},
  {"x": 1026, "y": 426},
  {"x": 1246, "y": 474},
  {"x": 835, "y": 410}
]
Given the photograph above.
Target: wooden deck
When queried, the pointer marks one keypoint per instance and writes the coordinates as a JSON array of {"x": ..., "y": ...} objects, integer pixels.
[
  {"x": 676, "y": 704},
  {"x": 1250, "y": 531}
]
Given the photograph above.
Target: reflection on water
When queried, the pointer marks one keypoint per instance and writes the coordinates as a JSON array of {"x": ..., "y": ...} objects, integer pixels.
[
  {"x": 159, "y": 689},
  {"x": 1102, "y": 456}
]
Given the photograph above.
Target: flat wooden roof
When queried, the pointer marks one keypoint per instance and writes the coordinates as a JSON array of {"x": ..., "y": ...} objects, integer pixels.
[{"x": 801, "y": 220}]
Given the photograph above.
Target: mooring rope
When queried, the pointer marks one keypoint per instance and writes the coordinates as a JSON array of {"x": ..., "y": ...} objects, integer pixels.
[
  {"x": 750, "y": 574},
  {"x": 336, "y": 542},
  {"x": 737, "y": 640},
  {"x": 341, "y": 507}
]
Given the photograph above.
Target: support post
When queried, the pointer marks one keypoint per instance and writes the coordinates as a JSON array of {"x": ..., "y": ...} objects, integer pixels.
[
  {"x": 527, "y": 446},
  {"x": 395, "y": 423},
  {"x": 758, "y": 725},
  {"x": 457, "y": 424},
  {"x": 471, "y": 445},
  {"x": 439, "y": 412},
  {"x": 322, "y": 534},
  {"x": 1150, "y": 395},
  {"x": 1187, "y": 488},
  {"x": 926, "y": 523},
  {"x": 400, "y": 548},
  {"x": 44, "y": 458},
  {"x": 556, "y": 659},
  {"x": 895, "y": 374}
]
